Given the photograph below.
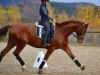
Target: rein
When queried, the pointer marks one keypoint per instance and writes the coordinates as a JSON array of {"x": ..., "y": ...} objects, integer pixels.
[{"x": 77, "y": 36}]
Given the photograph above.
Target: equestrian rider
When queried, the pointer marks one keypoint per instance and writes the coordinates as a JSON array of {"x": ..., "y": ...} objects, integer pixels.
[{"x": 45, "y": 20}]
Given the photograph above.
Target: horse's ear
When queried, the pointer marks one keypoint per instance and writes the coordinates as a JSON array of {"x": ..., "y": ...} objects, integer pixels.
[{"x": 87, "y": 24}]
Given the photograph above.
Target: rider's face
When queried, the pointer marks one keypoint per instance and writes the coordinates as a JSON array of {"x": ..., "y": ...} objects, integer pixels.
[{"x": 46, "y": 3}]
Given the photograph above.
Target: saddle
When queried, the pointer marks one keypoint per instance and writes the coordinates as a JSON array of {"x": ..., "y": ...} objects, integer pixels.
[{"x": 40, "y": 31}]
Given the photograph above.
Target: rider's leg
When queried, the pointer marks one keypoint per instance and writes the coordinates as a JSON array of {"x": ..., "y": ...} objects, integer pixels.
[
  {"x": 51, "y": 34},
  {"x": 47, "y": 31}
]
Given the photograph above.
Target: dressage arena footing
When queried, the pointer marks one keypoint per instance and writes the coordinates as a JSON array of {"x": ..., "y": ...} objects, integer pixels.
[{"x": 58, "y": 64}]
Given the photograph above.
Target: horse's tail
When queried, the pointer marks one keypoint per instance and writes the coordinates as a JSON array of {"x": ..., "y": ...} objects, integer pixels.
[{"x": 4, "y": 30}]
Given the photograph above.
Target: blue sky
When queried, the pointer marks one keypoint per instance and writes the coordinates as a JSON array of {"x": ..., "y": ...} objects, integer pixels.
[{"x": 96, "y": 2}]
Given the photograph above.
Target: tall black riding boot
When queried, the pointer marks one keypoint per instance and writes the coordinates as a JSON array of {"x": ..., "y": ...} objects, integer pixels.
[{"x": 45, "y": 44}]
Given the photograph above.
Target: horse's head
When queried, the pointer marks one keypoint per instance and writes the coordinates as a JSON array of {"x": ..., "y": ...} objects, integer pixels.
[
  {"x": 81, "y": 31},
  {"x": 74, "y": 26}
]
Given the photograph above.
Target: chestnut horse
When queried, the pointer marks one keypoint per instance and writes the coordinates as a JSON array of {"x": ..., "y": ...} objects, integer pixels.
[{"x": 22, "y": 34}]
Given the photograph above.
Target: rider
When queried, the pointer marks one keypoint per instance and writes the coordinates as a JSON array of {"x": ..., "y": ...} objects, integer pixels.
[{"x": 45, "y": 20}]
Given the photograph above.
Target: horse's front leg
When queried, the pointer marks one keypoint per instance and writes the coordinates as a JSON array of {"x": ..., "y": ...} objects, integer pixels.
[
  {"x": 71, "y": 55},
  {"x": 48, "y": 53}
]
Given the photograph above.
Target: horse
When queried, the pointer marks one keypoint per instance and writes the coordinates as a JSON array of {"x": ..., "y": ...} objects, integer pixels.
[{"x": 22, "y": 34}]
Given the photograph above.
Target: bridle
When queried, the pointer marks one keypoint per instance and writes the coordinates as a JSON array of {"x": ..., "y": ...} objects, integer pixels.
[
  {"x": 77, "y": 36},
  {"x": 82, "y": 36},
  {"x": 73, "y": 34}
]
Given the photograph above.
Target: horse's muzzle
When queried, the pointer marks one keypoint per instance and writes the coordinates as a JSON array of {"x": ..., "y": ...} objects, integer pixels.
[{"x": 80, "y": 39}]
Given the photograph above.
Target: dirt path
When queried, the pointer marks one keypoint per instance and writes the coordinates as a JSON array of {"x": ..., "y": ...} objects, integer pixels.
[{"x": 59, "y": 63}]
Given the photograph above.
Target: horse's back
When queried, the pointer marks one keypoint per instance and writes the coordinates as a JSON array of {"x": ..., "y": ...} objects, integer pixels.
[
  {"x": 22, "y": 28},
  {"x": 22, "y": 32}
]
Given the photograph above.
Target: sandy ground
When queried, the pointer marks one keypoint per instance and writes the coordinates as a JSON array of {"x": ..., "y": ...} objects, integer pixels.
[{"x": 59, "y": 62}]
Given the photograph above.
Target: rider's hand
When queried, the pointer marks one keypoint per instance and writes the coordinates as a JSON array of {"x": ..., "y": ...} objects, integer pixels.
[{"x": 54, "y": 20}]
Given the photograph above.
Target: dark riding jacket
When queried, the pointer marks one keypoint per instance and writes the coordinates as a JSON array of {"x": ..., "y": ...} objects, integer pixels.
[{"x": 44, "y": 12}]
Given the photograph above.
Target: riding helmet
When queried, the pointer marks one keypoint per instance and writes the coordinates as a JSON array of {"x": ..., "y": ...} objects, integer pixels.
[{"x": 44, "y": 1}]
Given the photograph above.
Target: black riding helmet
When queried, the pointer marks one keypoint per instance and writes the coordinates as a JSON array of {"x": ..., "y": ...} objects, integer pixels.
[{"x": 44, "y": 1}]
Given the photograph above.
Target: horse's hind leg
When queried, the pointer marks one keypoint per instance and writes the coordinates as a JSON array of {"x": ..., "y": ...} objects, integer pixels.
[
  {"x": 68, "y": 51},
  {"x": 6, "y": 50},
  {"x": 17, "y": 52}
]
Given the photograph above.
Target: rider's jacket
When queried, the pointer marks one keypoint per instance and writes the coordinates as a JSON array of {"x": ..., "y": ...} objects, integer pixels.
[{"x": 44, "y": 12}]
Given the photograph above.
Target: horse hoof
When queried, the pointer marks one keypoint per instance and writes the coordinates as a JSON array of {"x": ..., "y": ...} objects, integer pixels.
[
  {"x": 83, "y": 68},
  {"x": 23, "y": 68},
  {"x": 40, "y": 71}
]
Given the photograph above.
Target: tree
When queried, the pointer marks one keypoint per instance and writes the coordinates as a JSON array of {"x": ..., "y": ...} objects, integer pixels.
[
  {"x": 98, "y": 12},
  {"x": 85, "y": 14},
  {"x": 62, "y": 17},
  {"x": 79, "y": 12},
  {"x": 1, "y": 16},
  {"x": 96, "y": 23},
  {"x": 51, "y": 10},
  {"x": 14, "y": 15}
]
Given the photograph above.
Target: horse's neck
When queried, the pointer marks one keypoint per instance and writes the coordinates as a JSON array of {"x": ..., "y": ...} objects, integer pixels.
[{"x": 68, "y": 29}]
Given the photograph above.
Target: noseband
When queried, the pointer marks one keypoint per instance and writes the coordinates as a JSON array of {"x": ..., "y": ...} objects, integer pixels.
[{"x": 77, "y": 36}]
